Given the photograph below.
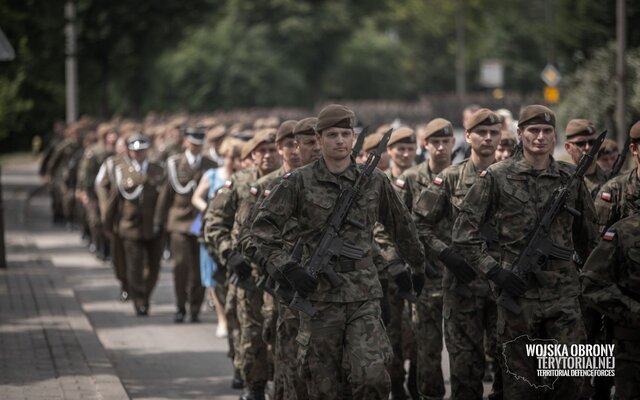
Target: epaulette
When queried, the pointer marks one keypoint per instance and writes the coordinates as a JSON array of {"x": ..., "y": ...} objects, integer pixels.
[{"x": 609, "y": 235}]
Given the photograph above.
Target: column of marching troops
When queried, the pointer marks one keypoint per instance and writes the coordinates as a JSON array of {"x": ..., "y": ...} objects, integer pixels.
[{"x": 436, "y": 244}]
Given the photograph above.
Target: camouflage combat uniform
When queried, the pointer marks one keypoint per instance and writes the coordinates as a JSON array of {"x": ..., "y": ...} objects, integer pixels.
[
  {"x": 514, "y": 195},
  {"x": 427, "y": 317},
  {"x": 223, "y": 221},
  {"x": 610, "y": 281},
  {"x": 465, "y": 317},
  {"x": 618, "y": 198},
  {"x": 349, "y": 324},
  {"x": 595, "y": 181}
]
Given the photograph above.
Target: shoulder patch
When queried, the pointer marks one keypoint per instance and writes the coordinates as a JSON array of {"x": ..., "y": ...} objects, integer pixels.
[
  {"x": 606, "y": 197},
  {"x": 286, "y": 176},
  {"x": 228, "y": 184},
  {"x": 609, "y": 235},
  {"x": 483, "y": 173},
  {"x": 266, "y": 192},
  {"x": 399, "y": 183},
  {"x": 254, "y": 190},
  {"x": 438, "y": 181}
]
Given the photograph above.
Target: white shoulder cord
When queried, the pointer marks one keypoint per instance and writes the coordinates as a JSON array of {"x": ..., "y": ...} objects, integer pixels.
[
  {"x": 173, "y": 178},
  {"x": 127, "y": 196}
]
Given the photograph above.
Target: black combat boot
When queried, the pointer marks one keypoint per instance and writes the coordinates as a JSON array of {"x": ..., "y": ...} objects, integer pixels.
[
  {"x": 237, "y": 382},
  {"x": 397, "y": 390}
]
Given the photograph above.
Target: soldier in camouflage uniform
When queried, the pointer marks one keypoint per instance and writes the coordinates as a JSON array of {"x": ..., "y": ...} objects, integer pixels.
[
  {"x": 402, "y": 151},
  {"x": 581, "y": 135},
  {"x": 427, "y": 316},
  {"x": 222, "y": 228},
  {"x": 513, "y": 194},
  {"x": 176, "y": 214},
  {"x": 620, "y": 197},
  {"x": 349, "y": 322},
  {"x": 610, "y": 282},
  {"x": 469, "y": 313}
]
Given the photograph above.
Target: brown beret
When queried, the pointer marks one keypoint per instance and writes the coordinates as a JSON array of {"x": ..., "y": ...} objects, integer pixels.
[
  {"x": 483, "y": 116},
  {"x": 635, "y": 131},
  {"x": 371, "y": 142},
  {"x": 507, "y": 138},
  {"x": 403, "y": 134},
  {"x": 267, "y": 135},
  {"x": 286, "y": 130},
  {"x": 579, "y": 127},
  {"x": 438, "y": 127},
  {"x": 306, "y": 126},
  {"x": 246, "y": 149},
  {"x": 383, "y": 128},
  {"x": 335, "y": 115},
  {"x": 536, "y": 114},
  {"x": 216, "y": 132}
]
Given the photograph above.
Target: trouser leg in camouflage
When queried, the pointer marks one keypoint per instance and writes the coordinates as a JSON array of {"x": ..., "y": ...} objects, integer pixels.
[
  {"x": 559, "y": 319},
  {"x": 233, "y": 326},
  {"x": 466, "y": 319},
  {"x": 288, "y": 385},
  {"x": 353, "y": 330},
  {"x": 428, "y": 329},
  {"x": 395, "y": 330},
  {"x": 253, "y": 364}
]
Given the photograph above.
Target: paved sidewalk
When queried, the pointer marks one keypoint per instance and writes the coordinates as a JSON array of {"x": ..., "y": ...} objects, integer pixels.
[{"x": 64, "y": 335}]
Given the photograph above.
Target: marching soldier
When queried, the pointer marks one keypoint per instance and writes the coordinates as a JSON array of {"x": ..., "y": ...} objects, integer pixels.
[
  {"x": 427, "y": 317},
  {"x": 107, "y": 196},
  {"x": 610, "y": 283},
  {"x": 581, "y": 135},
  {"x": 222, "y": 227},
  {"x": 349, "y": 323},
  {"x": 184, "y": 171},
  {"x": 138, "y": 183},
  {"x": 620, "y": 197},
  {"x": 513, "y": 194},
  {"x": 466, "y": 316}
]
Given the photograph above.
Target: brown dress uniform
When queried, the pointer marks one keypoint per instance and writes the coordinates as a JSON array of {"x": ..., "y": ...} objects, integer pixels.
[
  {"x": 176, "y": 213},
  {"x": 138, "y": 189}
]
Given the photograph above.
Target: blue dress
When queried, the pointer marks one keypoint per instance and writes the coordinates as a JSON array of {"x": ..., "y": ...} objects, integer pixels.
[{"x": 207, "y": 264}]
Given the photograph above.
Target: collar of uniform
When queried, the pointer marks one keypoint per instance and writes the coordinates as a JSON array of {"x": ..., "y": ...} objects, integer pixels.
[
  {"x": 323, "y": 173},
  {"x": 522, "y": 166},
  {"x": 469, "y": 173},
  {"x": 425, "y": 175}
]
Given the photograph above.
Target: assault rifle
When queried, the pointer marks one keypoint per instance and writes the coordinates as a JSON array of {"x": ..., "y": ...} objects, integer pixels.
[
  {"x": 359, "y": 142},
  {"x": 622, "y": 157},
  {"x": 540, "y": 246},
  {"x": 331, "y": 247}
]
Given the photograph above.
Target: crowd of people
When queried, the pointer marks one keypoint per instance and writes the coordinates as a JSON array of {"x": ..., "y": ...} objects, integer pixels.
[{"x": 421, "y": 255}]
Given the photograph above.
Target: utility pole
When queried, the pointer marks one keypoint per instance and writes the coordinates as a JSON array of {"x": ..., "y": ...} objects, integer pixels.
[
  {"x": 71, "y": 63},
  {"x": 461, "y": 85},
  {"x": 621, "y": 95}
]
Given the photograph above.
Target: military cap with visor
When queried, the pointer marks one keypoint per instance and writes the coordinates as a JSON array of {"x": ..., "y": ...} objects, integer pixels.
[
  {"x": 138, "y": 141},
  {"x": 195, "y": 135},
  {"x": 536, "y": 115},
  {"x": 335, "y": 115},
  {"x": 438, "y": 127}
]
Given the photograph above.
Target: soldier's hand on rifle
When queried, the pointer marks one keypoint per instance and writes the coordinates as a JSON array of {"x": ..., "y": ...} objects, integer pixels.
[
  {"x": 300, "y": 279},
  {"x": 239, "y": 265},
  {"x": 458, "y": 265},
  {"x": 508, "y": 281}
]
